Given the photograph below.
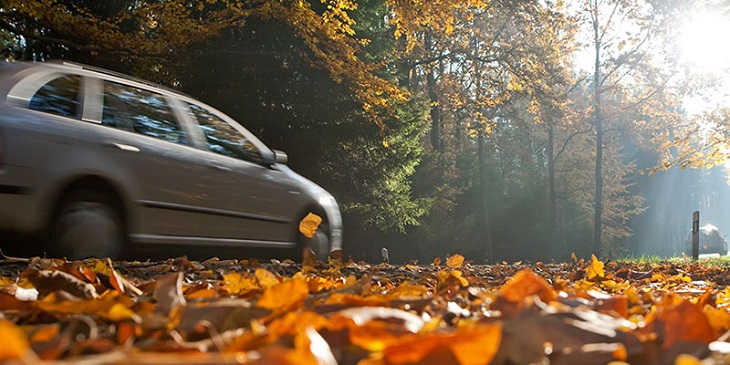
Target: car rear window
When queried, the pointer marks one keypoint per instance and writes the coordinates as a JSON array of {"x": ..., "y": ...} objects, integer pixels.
[{"x": 60, "y": 96}]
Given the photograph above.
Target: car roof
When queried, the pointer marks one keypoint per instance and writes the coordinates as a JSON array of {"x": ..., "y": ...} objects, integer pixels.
[{"x": 70, "y": 66}]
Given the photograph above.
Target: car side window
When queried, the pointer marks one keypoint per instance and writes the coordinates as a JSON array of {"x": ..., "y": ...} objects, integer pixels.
[
  {"x": 141, "y": 111},
  {"x": 223, "y": 138},
  {"x": 60, "y": 96}
]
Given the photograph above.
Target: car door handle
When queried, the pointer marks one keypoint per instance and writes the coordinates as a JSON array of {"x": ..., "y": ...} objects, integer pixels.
[{"x": 124, "y": 147}]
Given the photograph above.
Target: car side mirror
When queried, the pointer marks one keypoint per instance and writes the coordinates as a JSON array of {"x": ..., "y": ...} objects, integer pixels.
[{"x": 281, "y": 157}]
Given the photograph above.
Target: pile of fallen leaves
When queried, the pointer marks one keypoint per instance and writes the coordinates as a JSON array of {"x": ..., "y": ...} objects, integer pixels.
[{"x": 180, "y": 311}]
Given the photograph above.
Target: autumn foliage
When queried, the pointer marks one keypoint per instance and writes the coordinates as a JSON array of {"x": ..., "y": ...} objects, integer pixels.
[{"x": 355, "y": 313}]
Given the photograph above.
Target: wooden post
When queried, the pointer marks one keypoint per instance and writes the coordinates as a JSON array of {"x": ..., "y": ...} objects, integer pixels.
[{"x": 695, "y": 235}]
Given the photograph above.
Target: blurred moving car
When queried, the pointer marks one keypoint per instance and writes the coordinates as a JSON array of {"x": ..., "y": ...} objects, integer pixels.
[
  {"x": 711, "y": 240},
  {"x": 102, "y": 162}
]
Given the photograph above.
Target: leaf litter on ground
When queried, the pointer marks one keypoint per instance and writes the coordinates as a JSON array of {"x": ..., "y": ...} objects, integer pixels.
[{"x": 280, "y": 312}]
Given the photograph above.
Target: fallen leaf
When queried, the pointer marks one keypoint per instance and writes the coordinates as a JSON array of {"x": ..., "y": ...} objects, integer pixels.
[
  {"x": 266, "y": 278},
  {"x": 526, "y": 284},
  {"x": 683, "y": 321},
  {"x": 236, "y": 283},
  {"x": 595, "y": 270},
  {"x": 455, "y": 261},
  {"x": 120, "y": 283},
  {"x": 49, "y": 281},
  {"x": 14, "y": 344},
  {"x": 470, "y": 346},
  {"x": 284, "y": 296},
  {"x": 168, "y": 292}
]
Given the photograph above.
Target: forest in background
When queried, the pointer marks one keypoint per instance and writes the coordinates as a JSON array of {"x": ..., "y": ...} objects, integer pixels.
[{"x": 501, "y": 130}]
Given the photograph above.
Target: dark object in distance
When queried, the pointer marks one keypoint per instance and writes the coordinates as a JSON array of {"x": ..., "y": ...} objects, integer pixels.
[{"x": 711, "y": 240}]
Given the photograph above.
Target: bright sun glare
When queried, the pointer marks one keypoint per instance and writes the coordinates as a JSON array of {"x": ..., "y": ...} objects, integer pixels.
[{"x": 701, "y": 41}]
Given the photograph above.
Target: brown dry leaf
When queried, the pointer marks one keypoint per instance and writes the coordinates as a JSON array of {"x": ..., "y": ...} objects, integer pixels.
[
  {"x": 683, "y": 321},
  {"x": 168, "y": 292},
  {"x": 120, "y": 283},
  {"x": 455, "y": 261},
  {"x": 14, "y": 344},
  {"x": 309, "y": 224},
  {"x": 111, "y": 306},
  {"x": 595, "y": 270},
  {"x": 284, "y": 296},
  {"x": 10, "y": 302},
  {"x": 49, "y": 281}
]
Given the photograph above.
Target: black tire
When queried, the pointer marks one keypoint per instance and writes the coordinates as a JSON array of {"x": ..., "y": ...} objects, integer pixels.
[{"x": 87, "y": 223}]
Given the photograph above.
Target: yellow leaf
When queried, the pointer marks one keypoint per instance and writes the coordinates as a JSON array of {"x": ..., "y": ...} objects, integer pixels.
[
  {"x": 284, "y": 296},
  {"x": 119, "y": 312},
  {"x": 309, "y": 225},
  {"x": 236, "y": 284},
  {"x": 266, "y": 278},
  {"x": 455, "y": 261},
  {"x": 596, "y": 269},
  {"x": 14, "y": 344},
  {"x": 686, "y": 359}
]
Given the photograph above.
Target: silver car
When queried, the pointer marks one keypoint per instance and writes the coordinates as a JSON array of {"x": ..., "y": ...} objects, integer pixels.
[{"x": 99, "y": 162}]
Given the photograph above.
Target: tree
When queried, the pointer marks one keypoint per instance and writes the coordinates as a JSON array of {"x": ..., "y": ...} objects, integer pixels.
[{"x": 625, "y": 38}]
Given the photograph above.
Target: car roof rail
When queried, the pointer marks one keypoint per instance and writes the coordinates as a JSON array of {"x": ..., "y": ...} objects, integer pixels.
[{"x": 117, "y": 74}]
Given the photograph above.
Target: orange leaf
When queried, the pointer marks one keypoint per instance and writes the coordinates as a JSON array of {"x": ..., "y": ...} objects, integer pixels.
[
  {"x": 470, "y": 346},
  {"x": 374, "y": 335},
  {"x": 596, "y": 269},
  {"x": 309, "y": 224},
  {"x": 525, "y": 284},
  {"x": 408, "y": 290},
  {"x": 236, "y": 283},
  {"x": 357, "y": 300},
  {"x": 284, "y": 296},
  {"x": 437, "y": 261},
  {"x": 15, "y": 345},
  {"x": 266, "y": 278},
  {"x": 455, "y": 261},
  {"x": 684, "y": 322},
  {"x": 296, "y": 322},
  {"x": 120, "y": 283}
]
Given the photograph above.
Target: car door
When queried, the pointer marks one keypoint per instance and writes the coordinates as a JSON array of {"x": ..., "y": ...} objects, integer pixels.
[
  {"x": 148, "y": 141},
  {"x": 262, "y": 201}
]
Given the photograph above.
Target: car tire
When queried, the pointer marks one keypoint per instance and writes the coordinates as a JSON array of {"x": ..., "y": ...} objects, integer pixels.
[
  {"x": 319, "y": 244},
  {"x": 87, "y": 224}
]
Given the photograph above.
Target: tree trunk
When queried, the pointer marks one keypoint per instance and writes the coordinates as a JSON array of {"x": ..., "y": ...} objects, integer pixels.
[
  {"x": 433, "y": 98},
  {"x": 597, "y": 222},
  {"x": 483, "y": 191},
  {"x": 551, "y": 190}
]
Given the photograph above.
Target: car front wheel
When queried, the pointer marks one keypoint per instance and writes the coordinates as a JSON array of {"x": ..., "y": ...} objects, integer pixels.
[{"x": 87, "y": 224}]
